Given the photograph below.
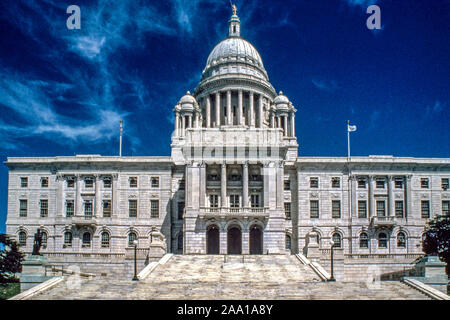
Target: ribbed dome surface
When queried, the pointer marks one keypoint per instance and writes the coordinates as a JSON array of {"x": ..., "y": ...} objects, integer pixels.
[{"x": 235, "y": 47}]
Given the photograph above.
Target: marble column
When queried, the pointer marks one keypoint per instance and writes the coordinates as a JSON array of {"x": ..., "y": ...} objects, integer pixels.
[
  {"x": 177, "y": 123},
  {"x": 272, "y": 121},
  {"x": 408, "y": 197},
  {"x": 391, "y": 202},
  {"x": 203, "y": 185},
  {"x": 78, "y": 201},
  {"x": 189, "y": 121},
  {"x": 285, "y": 126},
  {"x": 229, "y": 117},
  {"x": 218, "y": 108},
  {"x": 279, "y": 122},
  {"x": 115, "y": 196},
  {"x": 292, "y": 124},
  {"x": 240, "y": 109},
  {"x": 371, "y": 205},
  {"x": 261, "y": 120},
  {"x": 224, "y": 185},
  {"x": 353, "y": 182},
  {"x": 252, "y": 111},
  {"x": 280, "y": 185},
  {"x": 208, "y": 112},
  {"x": 60, "y": 198},
  {"x": 245, "y": 185},
  {"x": 97, "y": 205}
]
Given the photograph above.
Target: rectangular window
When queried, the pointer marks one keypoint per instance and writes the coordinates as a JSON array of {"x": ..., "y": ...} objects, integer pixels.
[
  {"x": 287, "y": 210},
  {"x": 180, "y": 210},
  {"x": 398, "y": 184},
  {"x": 133, "y": 182},
  {"x": 155, "y": 182},
  {"x": 399, "y": 209},
  {"x": 424, "y": 183},
  {"x": 314, "y": 208},
  {"x": 88, "y": 209},
  {"x": 88, "y": 183},
  {"x": 182, "y": 184},
  {"x": 70, "y": 182},
  {"x": 380, "y": 184},
  {"x": 69, "y": 208},
  {"x": 132, "y": 208},
  {"x": 336, "y": 208},
  {"x": 214, "y": 200},
  {"x": 154, "y": 208},
  {"x": 106, "y": 208},
  {"x": 254, "y": 199},
  {"x": 24, "y": 182},
  {"x": 23, "y": 208},
  {"x": 234, "y": 201},
  {"x": 44, "y": 182},
  {"x": 381, "y": 208},
  {"x": 44, "y": 208},
  {"x": 314, "y": 182},
  {"x": 287, "y": 185},
  {"x": 446, "y": 208},
  {"x": 107, "y": 183},
  {"x": 362, "y": 209},
  {"x": 335, "y": 182},
  {"x": 361, "y": 183},
  {"x": 425, "y": 208},
  {"x": 444, "y": 184}
]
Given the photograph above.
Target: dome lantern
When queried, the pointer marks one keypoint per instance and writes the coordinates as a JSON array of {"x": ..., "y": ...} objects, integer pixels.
[{"x": 235, "y": 24}]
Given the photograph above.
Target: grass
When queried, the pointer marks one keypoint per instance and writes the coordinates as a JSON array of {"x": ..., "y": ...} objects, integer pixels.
[{"x": 8, "y": 290}]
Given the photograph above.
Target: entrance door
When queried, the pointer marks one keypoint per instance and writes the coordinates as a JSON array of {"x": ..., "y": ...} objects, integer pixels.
[
  {"x": 256, "y": 240},
  {"x": 213, "y": 240},
  {"x": 234, "y": 241}
]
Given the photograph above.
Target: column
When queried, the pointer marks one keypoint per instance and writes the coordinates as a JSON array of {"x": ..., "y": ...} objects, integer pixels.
[
  {"x": 272, "y": 121},
  {"x": 280, "y": 187},
  {"x": 408, "y": 198},
  {"x": 252, "y": 111},
  {"x": 177, "y": 123},
  {"x": 208, "y": 112},
  {"x": 218, "y": 107},
  {"x": 261, "y": 121},
  {"x": 187, "y": 188},
  {"x": 183, "y": 125},
  {"x": 353, "y": 194},
  {"x": 293, "y": 124},
  {"x": 285, "y": 126},
  {"x": 98, "y": 199},
  {"x": 202, "y": 185},
  {"x": 189, "y": 121},
  {"x": 224, "y": 185},
  {"x": 279, "y": 121},
  {"x": 240, "y": 109},
  {"x": 391, "y": 202},
  {"x": 371, "y": 205},
  {"x": 115, "y": 196},
  {"x": 229, "y": 118},
  {"x": 245, "y": 185},
  {"x": 78, "y": 201},
  {"x": 60, "y": 196}
]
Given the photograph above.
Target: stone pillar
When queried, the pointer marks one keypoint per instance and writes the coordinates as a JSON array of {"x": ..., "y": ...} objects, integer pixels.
[
  {"x": 229, "y": 118},
  {"x": 224, "y": 185},
  {"x": 371, "y": 205},
  {"x": 293, "y": 124},
  {"x": 202, "y": 185},
  {"x": 98, "y": 199},
  {"x": 391, "y": 202},
  {"x": 208, "y": 112},
  {"x": 353, "y": 194},
  {"x": 252, "y": 111},
  {"x": 272, "y": 121},
  {"x": 408, "y": 200},
  {"x": 280, "y": 186},
  {"x": 279, "y": 121},
  {"x": 312, "y": 250},
  {"x": 266, "y": 185},
  {"x": 60, "y": 198},
  {"x": 187, "y": 187},
  {"x": 245, "y": 185},
  {"x": 190, "y": 121},
  {"x": 115, "y": 196},
  {"x": 240, "y": 109},
  {"x": 285, "y": 126},
  {"x": 261, "y": 120},
  {"x": 177, "y": 123},
  {"x": 218, "y": 108},
  {"x": 78, "y": 200}
]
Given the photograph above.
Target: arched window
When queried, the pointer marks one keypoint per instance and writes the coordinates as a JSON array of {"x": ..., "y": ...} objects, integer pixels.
[
  {"x": 131, "y": 238},
  {"x": 401, "y": 240},
  {"x": 22, "y": 238},
  {"x": 86, "y": 239},
  {"x": 382, "y": 240},
  {"x": 68, "y": 239},
  {"x": 44, "y": 239},
  {"x": 105, "y": 239},
  {"x": 337, "y": 240},
  {"x": 180, "y": 241},
  {"x": 288, "y": 242},
  {"x": 364, "y": 240}
]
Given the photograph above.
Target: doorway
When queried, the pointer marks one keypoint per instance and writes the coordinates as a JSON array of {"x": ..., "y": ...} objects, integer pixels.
[
  {"x": 234, "y": 240},
  {"x": 213, "y": 240},
  {"x": 256, "y": 240}
]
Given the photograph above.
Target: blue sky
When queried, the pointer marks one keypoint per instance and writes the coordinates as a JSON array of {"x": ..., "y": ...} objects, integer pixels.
[{"x": 63, "y": 92}]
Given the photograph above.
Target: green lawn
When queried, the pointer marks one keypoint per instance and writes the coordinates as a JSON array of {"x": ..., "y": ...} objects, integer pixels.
[{"x": 8, "y": 290}]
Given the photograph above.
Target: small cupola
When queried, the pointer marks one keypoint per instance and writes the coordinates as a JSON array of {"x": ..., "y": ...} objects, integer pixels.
[{"x": 235, "y": 24}]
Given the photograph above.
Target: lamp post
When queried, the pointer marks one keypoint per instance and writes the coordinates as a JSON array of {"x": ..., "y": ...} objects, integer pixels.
[
  {"x": 135, "y": 278},
  {"x": 332, "y": 249}
]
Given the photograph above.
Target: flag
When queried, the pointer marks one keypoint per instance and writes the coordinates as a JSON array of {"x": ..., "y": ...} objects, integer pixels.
[{"x": 351, "y": 128}]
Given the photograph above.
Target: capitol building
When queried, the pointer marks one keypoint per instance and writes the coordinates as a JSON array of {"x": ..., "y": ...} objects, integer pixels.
[{"x": 233, "y": 185}]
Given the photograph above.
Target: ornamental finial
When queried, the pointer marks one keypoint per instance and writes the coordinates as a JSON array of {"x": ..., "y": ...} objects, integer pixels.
[{"x": 233, "y": 6}]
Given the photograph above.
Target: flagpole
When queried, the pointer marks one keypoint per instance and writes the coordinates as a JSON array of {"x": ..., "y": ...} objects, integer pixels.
[{"x": 348, "y": 140}]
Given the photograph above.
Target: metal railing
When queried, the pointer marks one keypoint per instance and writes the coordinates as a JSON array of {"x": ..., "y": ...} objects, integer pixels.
[{"x": 224, "y": 211}]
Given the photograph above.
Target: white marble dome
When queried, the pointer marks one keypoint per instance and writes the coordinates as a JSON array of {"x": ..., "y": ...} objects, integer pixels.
[
  {"x": 235, "y": 47},
  {"x": 187, "y": 99},
  {"x": 281, "y": 99}
]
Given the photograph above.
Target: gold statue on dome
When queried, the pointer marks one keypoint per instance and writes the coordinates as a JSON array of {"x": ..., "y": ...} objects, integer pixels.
[{"x": 234, "y": 8}]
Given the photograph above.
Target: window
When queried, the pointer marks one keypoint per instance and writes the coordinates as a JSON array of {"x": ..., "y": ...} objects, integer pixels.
[
  {"x": 287, "y": 185},
  {"x": 398, "y": 184},
  {"x": 88, "y": 209},
  {"x": 314, "y": 182},
  {"x": 44, "y": 182},
  {"x": 380, "y": 184},
  {"x": 106, "y": 208},
  {"x": 22, "y": 238},
  {"x": 182, "y": 184},
  {"x": 234, "y": 201},
  {"x": 24, "y": 182},
  {"x": 361, "y": 183},
  {"x": 68, "y": 239},
  {"x": 86, "y": 240},
  {"x": 381, "y": 209},
  {"x": 133, "y": 182},
  {"x": 131, "y": 238},
  {"x": 444, "y": 184},
  {"x": 364, "y": 241},
  {"x": 154, "y": 208},
  {"x": 424, "y": 183},
  {"x": 425, "y": 209},
  {"x": 180, "y": 241},
  {"x": 69, "y": 208},
  {"x": 180, "y": 210},
  {"x": 44, "y": 239},
  {"x": 336, "y": 208},
  {"x": 287, "y": 210},
  {"x": 401, "y": 240},
  {"x": 337, "y": 240},
  {"x": 446, "y": 208},
  {"x": 335, "y": 182},
  {"x": 105, "y": 239},
  {"x": 254, "y": 200},
  {"x": 362, "y": 209},
  {"x": 399, "y": 209},
  {"x": 382, "y": 240},
  {"x": 23, "y": 208},
  {"x": 106, "y": 182},
  {"x": 314, "y": 208},
  {"x": 70, "y": 182},
  {"x": 155, "y": 182},
  {"x": 214, "y": 200},
  {"x": 288, "y": 242},
  {"x": 44, "y": 208},
  {"x": 132, "y": 208},
  {"x": 88, "y": 182}
]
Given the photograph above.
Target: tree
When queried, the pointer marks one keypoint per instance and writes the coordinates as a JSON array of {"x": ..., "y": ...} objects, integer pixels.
[
  {"x": 10, "y": 259},
  {"x": 437, "y": 239}
]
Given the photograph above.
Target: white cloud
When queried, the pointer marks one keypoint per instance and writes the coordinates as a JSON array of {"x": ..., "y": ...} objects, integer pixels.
[{"x": 325, "y": 85}]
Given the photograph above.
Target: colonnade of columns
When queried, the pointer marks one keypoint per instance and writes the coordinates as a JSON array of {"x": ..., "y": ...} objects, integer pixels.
[{"x": 285, "y": 121}]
